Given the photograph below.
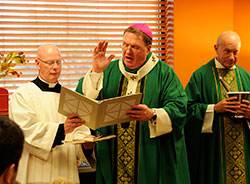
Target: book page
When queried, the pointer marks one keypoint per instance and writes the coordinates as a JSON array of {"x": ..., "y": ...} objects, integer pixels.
[
  {"x": 97, "y": 113},
  {"x": 73, "y": 102},
  {"x": 114, "y": 109}
]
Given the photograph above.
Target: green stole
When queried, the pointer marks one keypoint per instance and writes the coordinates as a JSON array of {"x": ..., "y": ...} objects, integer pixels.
[
  {"x": 126, "y": 152},
  {"x": 127, "y": 144},
  {"x": 231, "y": 131}
]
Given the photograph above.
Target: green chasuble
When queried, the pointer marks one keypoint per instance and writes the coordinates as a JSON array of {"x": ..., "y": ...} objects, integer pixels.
[
  {"x": 134, "y": 157},
  {"x": 220, "y": 157}
]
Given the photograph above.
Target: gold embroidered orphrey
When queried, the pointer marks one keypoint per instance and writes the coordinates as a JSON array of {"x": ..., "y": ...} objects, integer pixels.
[
  {"x": 234, "y": 137},
  {"x": 126, "y": 145}
]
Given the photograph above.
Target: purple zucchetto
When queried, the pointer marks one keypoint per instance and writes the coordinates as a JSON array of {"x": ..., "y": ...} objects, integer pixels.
[{"x": 144, "y": 28}]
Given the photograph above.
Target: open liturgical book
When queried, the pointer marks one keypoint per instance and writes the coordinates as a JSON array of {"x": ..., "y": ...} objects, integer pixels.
[
  {"x": 89, "y": 139},
  {"x": 97, "y": 113}
]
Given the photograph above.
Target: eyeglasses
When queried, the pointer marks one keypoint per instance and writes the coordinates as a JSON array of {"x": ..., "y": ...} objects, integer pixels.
[
  {"x": 134, "y": 48},
  {"x": 51, "y": 63}
]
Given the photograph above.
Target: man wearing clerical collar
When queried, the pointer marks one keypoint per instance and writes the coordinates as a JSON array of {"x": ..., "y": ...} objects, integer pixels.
[
  {"x": 49, "y": 63},
  {"x": 34, "y": 106},
  {"x": 218, "y": 141},
  {"x": 151, "y": 147}
]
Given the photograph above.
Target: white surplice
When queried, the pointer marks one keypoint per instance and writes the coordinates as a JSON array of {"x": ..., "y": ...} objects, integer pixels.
[{"x": 35, "y": 111}]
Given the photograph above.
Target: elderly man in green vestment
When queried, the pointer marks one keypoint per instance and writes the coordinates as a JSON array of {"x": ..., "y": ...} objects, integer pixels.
[
  {"x": 217, "y": 144},
  {"x": 151, "y": 148}
]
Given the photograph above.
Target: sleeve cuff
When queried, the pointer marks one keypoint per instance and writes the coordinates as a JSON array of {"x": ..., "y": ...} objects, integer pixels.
[
  {"x": 207, "y": 126},
  {"x": 162, "y": 125},
  {"x": 92, "y": 84}
]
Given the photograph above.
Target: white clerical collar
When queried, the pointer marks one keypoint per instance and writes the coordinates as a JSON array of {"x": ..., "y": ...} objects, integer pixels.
[
  {"x": 220, "y": 66},
  {"x": 144, "y": 70},
  {"x": 51, "y": 85}
]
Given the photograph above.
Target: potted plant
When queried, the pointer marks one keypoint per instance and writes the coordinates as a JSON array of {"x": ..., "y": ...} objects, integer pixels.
[
  {"x": 7, "y": 65},
  {"x": 8, "y": 62}
]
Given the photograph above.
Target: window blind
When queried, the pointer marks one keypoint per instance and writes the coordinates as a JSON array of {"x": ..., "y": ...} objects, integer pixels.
[{"x": 76, "y": 26}]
